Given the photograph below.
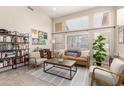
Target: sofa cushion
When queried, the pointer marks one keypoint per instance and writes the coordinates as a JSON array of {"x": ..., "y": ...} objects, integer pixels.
[
  {"x": 73, "y": 51},
  {"x": 69, "y": 57},
  {"x": 103, "y": 75},
  {"x": 40, "y": 60},
  {"x": 35, "y": 54},
  {"x": 84, "y": 53},
  {"x": 81, "y": 58},
  {"x": 71, "y": 54},
  {"x": 117, "y": 65}
]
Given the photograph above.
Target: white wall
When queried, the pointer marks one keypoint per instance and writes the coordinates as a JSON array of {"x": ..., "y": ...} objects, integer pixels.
[
  {"x": 90, "y": 13},
  {"x": 120, "y": 22},
  {"x": 21, "y": 19}
]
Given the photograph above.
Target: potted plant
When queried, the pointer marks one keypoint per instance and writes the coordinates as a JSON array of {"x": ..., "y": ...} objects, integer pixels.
[
  {"x": 99, "y": 51},
  {"x": 60, "y": 56}
]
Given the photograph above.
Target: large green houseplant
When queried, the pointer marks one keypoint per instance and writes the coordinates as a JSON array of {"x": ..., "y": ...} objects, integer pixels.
[{"x": 99, "y": 51}]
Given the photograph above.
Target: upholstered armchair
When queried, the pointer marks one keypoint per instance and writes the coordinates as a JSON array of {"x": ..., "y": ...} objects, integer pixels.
[
  {"x": 35, "y": 59},
  {"x": 108, "y": 76}
]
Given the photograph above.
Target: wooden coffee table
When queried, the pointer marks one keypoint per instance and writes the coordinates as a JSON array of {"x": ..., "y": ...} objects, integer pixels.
[{"x": 65, "y": 64}]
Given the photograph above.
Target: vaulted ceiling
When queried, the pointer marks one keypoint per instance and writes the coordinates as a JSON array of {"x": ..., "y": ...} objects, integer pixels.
[{"x": 58, "y": 11}]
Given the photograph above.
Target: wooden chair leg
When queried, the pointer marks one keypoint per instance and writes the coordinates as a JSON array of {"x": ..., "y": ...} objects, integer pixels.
[
  {"x": 35, "y": 67},
  {"x": 92, "y": 81},
  {"x": 28, "y": 65}
]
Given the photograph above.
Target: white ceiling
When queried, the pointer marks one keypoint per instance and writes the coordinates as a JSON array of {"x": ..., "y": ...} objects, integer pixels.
[{"x": 63, "y": 10}]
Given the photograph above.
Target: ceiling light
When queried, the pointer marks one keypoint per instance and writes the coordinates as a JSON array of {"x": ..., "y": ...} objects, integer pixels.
[{"x": 54, "y": 8}]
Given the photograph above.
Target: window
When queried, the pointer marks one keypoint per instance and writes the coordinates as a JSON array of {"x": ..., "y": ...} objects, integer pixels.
[
  {"x": 102, "y": 19},
  {"x": 59, "y": 41},
  {"x": 78, "y": 42},
  {"x": 77, "y": 24},
  {"x": 120, "y": 16}
]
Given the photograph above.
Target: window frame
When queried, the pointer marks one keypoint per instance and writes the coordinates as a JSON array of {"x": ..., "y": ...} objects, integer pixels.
[
  {"x": 77, "y": 18},
  {"x": 110, "y": 19},
  {"x": 77, "y": 46}
]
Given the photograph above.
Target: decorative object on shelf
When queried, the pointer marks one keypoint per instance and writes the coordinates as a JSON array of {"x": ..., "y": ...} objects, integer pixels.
[
  {"x": 3, "y": 31},
  {"x": 25, "y": 39},
  {"x": 13, "y": 32},
  {"x": 121, "y": 34},
  {"x": 99, "y": 50},
  {"x": 39, "y": 37},
  {"x": 1, "y": 38}
]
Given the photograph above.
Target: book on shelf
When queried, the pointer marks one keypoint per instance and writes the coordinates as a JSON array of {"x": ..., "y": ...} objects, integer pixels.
[
  {"x": 24, "y": 52},
  {"x": 7, "y": 47},
  {"x": 8, "y": 55},
  {"x": 1, "y": 64},
  {"x": 1, "y": 38},
  {"x": 22, "y": 39},
  {"x": 18, "y": 53},
  {"x": 0, "y": 55},
  {"x": 13, "y": 39},
  {"x": 3, "y": 55},
  {"x": 22, "y": 59},
  {"x": 23, "y": 46},
  {"x": 8, "y": 39},
  {"x": 5, "y": 62},
  {"x": 9, "y": 62},
  {"x": 17, "y": 60}
]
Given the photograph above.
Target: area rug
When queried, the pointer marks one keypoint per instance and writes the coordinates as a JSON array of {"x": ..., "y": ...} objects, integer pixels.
[{"x": 80, "y": 79}]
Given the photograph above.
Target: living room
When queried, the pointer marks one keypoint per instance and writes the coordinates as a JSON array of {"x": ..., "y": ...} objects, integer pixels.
[{"x": 56, "y": 45}]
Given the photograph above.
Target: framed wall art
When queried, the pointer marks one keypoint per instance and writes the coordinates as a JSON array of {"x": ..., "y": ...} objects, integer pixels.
[
  {"x": 39, "y": 37},
  {"x": 121, "y": 34}
]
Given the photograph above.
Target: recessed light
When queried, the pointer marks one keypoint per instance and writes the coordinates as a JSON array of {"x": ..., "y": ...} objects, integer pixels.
[{"x": 54, "y": 8}]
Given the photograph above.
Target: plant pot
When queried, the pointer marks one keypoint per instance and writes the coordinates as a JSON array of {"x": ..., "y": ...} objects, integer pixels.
[
  {"x": 60, "y": 59},
  {"x": 98, "y": 63}
]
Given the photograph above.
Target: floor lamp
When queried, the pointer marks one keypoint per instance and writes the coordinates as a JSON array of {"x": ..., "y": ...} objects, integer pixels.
[{"x": 53, "y": 44}]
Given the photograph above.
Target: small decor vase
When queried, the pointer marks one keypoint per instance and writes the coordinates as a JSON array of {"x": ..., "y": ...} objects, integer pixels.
[{"x": 60, "y": 59}]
